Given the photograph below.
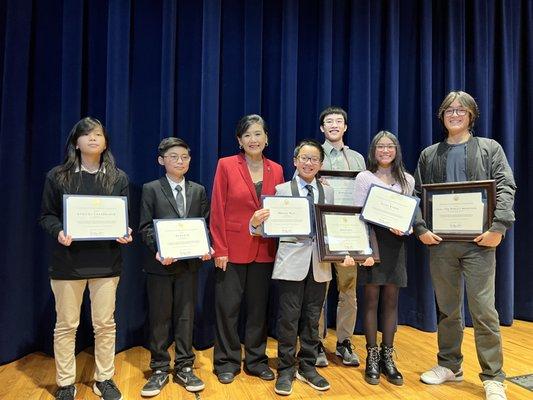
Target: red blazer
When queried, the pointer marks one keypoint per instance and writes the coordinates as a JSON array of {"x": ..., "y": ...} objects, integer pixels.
[{"x": 233, "y": 203}]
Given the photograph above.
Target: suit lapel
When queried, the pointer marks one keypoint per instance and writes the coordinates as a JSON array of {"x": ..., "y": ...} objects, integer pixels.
[
  {"x": 294, "y": 188},
  {"x": 188, "y": 196},
  {"x": 167, "y": 192},
  {"x": 243, "y": 169}
]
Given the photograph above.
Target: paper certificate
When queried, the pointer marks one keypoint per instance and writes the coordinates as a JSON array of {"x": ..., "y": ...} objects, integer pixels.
[
  {"x": 181, "y": 238},
  {"x": 344, "y": 189},
  {"x": 95, "y": 217},
  {"x": 346, "y": 233},
  {"x": 458, "y": 213},
  {"x": 388, "y": 208},
  {"x": 289, "y": 216}
]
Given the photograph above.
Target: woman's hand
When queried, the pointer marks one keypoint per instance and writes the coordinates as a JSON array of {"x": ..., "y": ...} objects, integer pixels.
[
  {"x": 64, "y": 240},
  {"x": 165, "y": 261},
  {"x": 259, "y": 217},
  {"x": 126, "y": 239},
  {"x": 368, "y": 262},
  {"x": 221, "y": 262}
]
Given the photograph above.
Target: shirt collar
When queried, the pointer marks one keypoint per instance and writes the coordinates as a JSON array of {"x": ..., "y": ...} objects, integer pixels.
[
  {"x": 328, "y": 147},
  {"x": 174, "y": 184},
  {"x": 302, "y": 184}
]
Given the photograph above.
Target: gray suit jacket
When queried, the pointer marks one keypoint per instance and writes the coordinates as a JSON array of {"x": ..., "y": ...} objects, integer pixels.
[{"x": 295, "y": 253}]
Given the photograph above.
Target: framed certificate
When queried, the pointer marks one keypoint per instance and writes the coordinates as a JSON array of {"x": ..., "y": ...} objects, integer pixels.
[
  {"x": 95, "y": 217},
  {"x": 388, "y": 208},
  {"x": 341, "y": 232},
  {"x": 289, "y": 216},
  {"x": 459, "y": 211},
  {"x": 343, "y": 184},
  {"x": 181, "y": 238}
]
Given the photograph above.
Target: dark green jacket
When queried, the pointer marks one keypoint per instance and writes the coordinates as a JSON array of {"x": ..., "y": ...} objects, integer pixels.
[{"x": 485, "y": 159}]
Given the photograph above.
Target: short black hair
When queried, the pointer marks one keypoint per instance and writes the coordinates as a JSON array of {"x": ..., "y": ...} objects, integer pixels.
[
  {"x": 247, "y": 121},
  {"x": 169, "y": 142},
  {"x": 309, "y": 142},
  {"x": 333, "y": 110}
]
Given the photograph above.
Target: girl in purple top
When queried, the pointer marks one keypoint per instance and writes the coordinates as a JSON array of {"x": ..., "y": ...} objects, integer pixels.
[{"x": 386, "y": 169}]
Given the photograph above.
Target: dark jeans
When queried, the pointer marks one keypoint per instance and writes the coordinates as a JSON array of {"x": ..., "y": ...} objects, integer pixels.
[{"x": 300, "y": 303}]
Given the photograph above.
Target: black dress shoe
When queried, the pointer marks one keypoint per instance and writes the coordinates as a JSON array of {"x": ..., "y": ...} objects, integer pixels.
[{"x": 226, "y": 377}]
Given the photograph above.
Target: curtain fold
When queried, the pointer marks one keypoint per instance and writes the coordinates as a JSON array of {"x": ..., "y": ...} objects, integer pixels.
[{"x": 150, "y": 69}]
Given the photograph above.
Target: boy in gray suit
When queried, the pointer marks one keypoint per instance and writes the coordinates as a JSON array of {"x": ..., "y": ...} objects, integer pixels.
[
  {"x": 301, "y": 277},
  {"x": 171, "y": 284}
]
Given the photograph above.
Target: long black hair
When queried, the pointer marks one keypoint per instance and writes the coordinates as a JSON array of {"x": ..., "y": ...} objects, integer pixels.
[
  {"x": 108, "y": 172},
  {"x": 398, "y": 170}
]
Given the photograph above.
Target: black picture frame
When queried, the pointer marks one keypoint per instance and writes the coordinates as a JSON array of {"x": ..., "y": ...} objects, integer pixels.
[
  {"x": 487, "y": 188},
  {"x": 324, "y": 253}
]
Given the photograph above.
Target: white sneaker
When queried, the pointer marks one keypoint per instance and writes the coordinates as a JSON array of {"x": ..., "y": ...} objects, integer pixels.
[
  {"x": 494, "y": 390},
  {"x": 438, "y": 375}
]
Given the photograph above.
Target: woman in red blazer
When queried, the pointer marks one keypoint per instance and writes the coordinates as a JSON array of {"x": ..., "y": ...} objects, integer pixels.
[{"x": 244, "y": 262}]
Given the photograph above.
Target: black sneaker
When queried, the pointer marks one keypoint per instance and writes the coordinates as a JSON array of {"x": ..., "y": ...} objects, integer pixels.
[
  {"x": 66, "y": 392},
  {"x": 345, "y": 351},
  {"x": 155, "y": 383},
  {"x": 107, "y": 390},
  {"x": 186, "y": 378},
  {"x": 283, "y": 385}
]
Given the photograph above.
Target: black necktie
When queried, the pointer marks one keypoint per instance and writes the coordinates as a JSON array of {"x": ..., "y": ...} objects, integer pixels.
[
  {"x": 310, "y": 193},
  {"x": 180, "y": 201}
]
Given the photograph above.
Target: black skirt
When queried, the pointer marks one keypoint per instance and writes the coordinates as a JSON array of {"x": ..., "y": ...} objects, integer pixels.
[{"x": 391, "y": 269}]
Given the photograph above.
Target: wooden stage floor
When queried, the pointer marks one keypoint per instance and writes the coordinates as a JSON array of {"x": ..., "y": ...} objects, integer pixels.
[{"x": 32, "y": 377}]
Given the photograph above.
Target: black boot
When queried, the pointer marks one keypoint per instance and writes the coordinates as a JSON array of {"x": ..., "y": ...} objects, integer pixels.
[
  {"x": 372, "y": 365},
  {"x": 388, "y": 367}
]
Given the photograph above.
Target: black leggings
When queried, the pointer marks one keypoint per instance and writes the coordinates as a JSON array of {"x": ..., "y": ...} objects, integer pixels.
[{"x": 389, "y": 312}]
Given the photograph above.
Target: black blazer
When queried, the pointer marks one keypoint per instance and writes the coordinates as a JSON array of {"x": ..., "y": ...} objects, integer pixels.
[{"x": 158, "y": 202}]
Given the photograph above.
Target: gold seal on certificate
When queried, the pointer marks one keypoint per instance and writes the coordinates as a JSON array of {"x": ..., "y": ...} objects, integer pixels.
[
  {"x": 95, "y": 217},
  {"x": 390, "y": 209},
  {"x": 343, "y": 184},
  {"x": 341, "y": 232},
  {"x": 181, "y": 238},
  {"x": 289, "y": 216},
  {"x": 459, "y": 211}
]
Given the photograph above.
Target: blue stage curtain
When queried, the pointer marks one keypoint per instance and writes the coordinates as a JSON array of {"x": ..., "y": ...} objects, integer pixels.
[{"x": 150, "y": 69}]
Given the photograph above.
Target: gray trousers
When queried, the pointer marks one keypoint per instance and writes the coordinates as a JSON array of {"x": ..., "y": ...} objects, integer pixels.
[
  {"x": 346, "y": 306},
  {"x": 451, "y": 264}
]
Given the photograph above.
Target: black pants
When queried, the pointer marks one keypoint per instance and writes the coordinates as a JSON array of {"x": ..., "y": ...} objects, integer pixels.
[
  {"x": 300, "y": 303},
  {"x": 251, "y": 282},
  {"x": 171, "y": 304}
]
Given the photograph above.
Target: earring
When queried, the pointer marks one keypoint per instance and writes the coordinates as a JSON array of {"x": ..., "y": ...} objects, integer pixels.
[
  {"x": 240, "y": 147},
  {"x": 266, "y": 144}
]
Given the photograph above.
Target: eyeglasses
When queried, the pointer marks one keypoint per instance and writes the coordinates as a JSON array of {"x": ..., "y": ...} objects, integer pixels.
[
  {"x": 176, "y": 157},
  {"x": 304, "y": 159},
  {"x": 339, "y": 121},
  {"x": 389, "y": 147},
  {"x": 461, "y": 112}
]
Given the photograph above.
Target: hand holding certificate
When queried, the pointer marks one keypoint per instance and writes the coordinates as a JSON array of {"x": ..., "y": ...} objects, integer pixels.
[
  {"x": 289, "y": 216},
  {"x": 95, "y": 217},
  {"x": 390, "y": 209},
  {"x": 181, "y": 238}
]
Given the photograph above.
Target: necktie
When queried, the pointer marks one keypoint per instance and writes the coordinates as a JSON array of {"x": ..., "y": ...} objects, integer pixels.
[
  {"x": 310, "y": 193},
  {"x": 180, "y": 201}
]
